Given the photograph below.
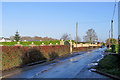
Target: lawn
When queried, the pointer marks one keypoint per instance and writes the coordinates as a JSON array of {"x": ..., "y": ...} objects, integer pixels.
[{"x": 110, "y": 64}]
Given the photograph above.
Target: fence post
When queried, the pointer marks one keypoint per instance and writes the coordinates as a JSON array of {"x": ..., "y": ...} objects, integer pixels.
[
  {"x": 50, "y": 44},
  {"x": 56, "y": 43},
  {"x": 61, "y": 42},
  {"x": 18, "y": 44},
  {"x": 70, "y": 46},
  {"x": 32, "y": 44},
  {"x": 42, "y": 44}
]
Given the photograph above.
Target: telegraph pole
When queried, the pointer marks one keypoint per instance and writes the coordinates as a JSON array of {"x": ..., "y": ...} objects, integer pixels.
[
  {"x": 76, "y": 33},
  {"x": 112, "y": 31},
  {"x": 109, "y": 39},
  {"x": 119, "y": 27}
]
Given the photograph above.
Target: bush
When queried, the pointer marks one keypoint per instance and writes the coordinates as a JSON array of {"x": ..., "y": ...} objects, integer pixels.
[
  {"x": 16, "y": 56},
  {"x": 35, "y": 55},
  {"x": 116, "y": 48},
  {"x": 53, "y": 55}
]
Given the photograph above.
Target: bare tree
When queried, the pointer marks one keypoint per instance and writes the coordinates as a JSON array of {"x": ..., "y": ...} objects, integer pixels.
[
  {"x": 78, "y": 39},
  {"x": 91, "y": 36},
  {"x": 66, "y": 36},
  {"x": 12, "y": 38}
]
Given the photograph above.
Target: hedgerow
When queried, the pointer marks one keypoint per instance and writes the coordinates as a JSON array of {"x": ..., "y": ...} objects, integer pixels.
[
  {"x": 27, "y": 43},
  {"x": 16, "y": 56}
]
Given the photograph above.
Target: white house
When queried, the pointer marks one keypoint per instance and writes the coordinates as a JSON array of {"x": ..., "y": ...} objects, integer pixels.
[{"x": 5, "y": 40}]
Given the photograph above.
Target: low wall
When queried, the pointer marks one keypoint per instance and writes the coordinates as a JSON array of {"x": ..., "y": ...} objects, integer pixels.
[
  {"x": 78, "y": 49},
  {"x": 15, "y": 56},
  {"x": 86, "y": 45}
]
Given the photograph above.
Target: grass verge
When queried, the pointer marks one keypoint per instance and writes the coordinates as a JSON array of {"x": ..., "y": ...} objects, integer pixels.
[{"x": 110, "y": 64}]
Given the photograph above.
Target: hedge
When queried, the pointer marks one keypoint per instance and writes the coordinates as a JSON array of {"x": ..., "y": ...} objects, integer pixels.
[
  {"x": 16, "y": 56},
  {"x": 116, "y": 48},
  {"x": 29, "y": 42}
]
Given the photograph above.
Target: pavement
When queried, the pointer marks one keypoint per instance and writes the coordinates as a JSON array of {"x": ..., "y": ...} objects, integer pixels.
[{"x": 72, "y": 67}]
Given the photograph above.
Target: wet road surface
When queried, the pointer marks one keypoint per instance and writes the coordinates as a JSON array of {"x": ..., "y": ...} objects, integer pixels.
[{"x": 74, "y": 67}]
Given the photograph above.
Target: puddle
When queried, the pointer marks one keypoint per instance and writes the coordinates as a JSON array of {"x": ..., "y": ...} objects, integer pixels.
[
  {"x": 93, "y": 64},
  {"x": 76, "y": 58},
  {"x": 92, "y": 70}
]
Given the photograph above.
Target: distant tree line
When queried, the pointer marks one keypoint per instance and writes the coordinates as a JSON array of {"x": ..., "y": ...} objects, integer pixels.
[{"x": 17, "y": 37}]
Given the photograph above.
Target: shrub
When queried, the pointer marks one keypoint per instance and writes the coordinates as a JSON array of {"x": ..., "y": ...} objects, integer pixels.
[{"x": 15, "y": 56}]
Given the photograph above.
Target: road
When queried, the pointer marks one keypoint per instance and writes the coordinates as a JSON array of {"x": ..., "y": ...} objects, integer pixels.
[{"x": 74, "y": 67}]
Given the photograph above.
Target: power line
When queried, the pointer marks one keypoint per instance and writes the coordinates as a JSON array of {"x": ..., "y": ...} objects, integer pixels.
[{"x": 114, "y": 10}]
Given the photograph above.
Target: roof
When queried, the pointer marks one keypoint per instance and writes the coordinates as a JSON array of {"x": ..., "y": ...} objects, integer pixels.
[{"x": 4, "y": 38}]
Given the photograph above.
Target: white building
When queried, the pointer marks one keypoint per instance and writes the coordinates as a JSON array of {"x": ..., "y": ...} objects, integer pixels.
[{"x": 5, "y": 40}]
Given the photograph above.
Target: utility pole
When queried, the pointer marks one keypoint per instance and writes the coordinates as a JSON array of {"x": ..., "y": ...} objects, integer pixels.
[
  {"x": 109, "y": 39},
  {"x": 112, "y": 31},
  {"x": 76, "y": 33},
  {"x": 119, "y": 27}
]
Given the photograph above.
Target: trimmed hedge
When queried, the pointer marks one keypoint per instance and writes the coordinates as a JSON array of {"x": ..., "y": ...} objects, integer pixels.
[
  {"x": 29, "y": 42},
  {"x": 16, "y": 56},
  {"x": 116, "y": 48}
]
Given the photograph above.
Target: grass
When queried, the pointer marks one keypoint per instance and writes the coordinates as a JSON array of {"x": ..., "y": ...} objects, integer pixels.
[{"x": 110, "y": 64}]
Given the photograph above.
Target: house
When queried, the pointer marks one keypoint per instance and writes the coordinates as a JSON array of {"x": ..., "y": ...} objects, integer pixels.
[{"x": 5, "y": 40}]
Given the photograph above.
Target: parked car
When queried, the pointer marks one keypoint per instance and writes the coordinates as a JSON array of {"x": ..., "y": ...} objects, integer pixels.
[{"x": 102, "y": 46}]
